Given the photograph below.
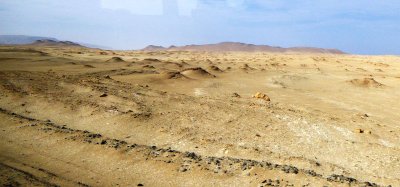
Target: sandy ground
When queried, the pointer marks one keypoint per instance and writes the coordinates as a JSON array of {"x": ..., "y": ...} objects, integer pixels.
[{"x": 85, "y": 117}]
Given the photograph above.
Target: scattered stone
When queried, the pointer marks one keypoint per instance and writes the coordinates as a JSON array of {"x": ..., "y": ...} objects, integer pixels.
[
  {"x": 341, "y": 178},
  {"x": 269, "y": 182},
  {"x": 290, "y": 169},
  {"x": 359, "y": 131},
  {"x": 191, "y": 155},
  {"x": 103, "y": 95},
  {"x": 182, "y": 169},
  {"x": 140, "y": 184},
  {"x": 311, "y": 173},
  {"x": 368, "y": 184},
  {"x": 94, "y": 135}
]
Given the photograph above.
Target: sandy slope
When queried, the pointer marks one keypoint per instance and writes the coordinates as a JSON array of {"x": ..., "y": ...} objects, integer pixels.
[{"x": 76, "y": 116}]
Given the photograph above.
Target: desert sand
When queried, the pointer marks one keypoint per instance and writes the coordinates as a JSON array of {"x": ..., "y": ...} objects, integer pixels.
[{"x": 73, "y": 116}]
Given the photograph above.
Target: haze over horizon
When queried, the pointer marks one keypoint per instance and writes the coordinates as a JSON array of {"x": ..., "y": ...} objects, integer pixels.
[{"x": 360, "y": 27}]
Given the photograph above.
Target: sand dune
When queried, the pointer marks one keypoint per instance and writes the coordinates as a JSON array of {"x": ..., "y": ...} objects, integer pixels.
[
  {"x": 366, "y": 82},
  {"x": 173, "y": 75},
  {"x": 215, "y": 69},
  {"x": 197, "y": 118},
  {"x": 115, "y": 59},
  {"x": 196, "y": 73}
]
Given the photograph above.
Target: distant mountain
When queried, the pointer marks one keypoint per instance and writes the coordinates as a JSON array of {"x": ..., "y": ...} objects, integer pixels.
[
  {"x": 95, "y": 46},
  {"x": 39, "y": 40},
  {"x": 237, "y": 46},
  {"x": 154, "y": 48},
  {"x": 21, "y": 39},
  {"x": 47, "y": 42}
]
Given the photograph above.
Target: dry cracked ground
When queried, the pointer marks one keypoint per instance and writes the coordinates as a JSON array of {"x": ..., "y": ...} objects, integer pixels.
[{"x": 86, "y": 117}]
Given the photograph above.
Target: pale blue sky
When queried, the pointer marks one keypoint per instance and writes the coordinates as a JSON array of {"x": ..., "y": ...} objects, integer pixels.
[{"x": 356, "y": 26}]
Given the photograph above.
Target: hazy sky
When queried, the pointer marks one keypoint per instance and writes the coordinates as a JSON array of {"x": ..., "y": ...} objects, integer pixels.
[{"x": 355, "y": 26}]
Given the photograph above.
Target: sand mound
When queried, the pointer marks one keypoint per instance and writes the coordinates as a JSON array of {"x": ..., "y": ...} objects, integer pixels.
[
  {"x": 173, "y": 75},
  {"x": 30, "y": 51},
  {"x": 293, "y": 77},
  {"x": 72, "y": 63},
  {"x": 176, "y": 64},
  {"x": 361, "y": 69},
  {"x": 209, "y": 62},
  {"x": 246, "y": 67},
  {"x": 102, "y": 53},
  {"x": 148, "y": 66},
  {"x": 215, "y": 69},
  {"x": 88, "y": 66},
  {"x": 366, "y": 82},
  {"x": 152, "y": 60},
  {"x": 115, "y": 59},
  {"x": 197, "y": 73},
  {"x": 184, "y": 63}
]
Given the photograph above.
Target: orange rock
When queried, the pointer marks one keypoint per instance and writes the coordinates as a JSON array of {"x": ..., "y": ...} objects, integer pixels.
[{"x": 259, "y": 95}]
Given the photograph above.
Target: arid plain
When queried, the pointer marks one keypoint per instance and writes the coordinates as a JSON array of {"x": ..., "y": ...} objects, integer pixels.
[{"x": 72, "y": 116}]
